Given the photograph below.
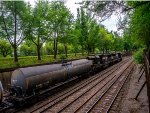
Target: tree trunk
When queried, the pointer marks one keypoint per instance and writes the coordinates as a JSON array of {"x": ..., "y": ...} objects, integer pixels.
[
  {"x": 65, "y": 46},
  {"x": 88, "y": 49},
  {"x": 115, "y": 50},
  {"x": 4, "y": 55},
  {"x": 103, "y": 50},
  {"x": 75, "y": 54},
  {"x": 93, "y": 50},
  {"x": 55, "y": 45},
  {"x": 54, "y": 48},
  {"x": 15, "y": 54},
  {"x": 106, "y": 49},
  {"x": 15, "y": 35},
  {"x": 38, "y": 49},
  {"x": 82, "y": 50},
  {"x": 38, "y": 52}
]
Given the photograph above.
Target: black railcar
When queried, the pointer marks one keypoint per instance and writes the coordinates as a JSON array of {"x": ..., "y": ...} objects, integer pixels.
[{"x": 27, "y": 82}]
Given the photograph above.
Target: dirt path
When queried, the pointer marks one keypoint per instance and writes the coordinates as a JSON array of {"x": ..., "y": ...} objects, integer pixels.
[{"x": 129, "y": 104}]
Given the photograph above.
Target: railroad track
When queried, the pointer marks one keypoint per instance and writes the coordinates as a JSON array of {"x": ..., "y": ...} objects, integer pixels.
[
  {"x": 82, "y": 88},
  {"x": 105, "y": 101},
  {"x": 83, "y": 104}
]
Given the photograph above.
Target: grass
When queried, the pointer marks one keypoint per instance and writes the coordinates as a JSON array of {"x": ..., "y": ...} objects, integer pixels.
[{"x": 31, "y": 60}]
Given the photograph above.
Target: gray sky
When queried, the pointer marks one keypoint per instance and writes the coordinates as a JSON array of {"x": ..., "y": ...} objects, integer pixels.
[{"x": 110, "y": 23}]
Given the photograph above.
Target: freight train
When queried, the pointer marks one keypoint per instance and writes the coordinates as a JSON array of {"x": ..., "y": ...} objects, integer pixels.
[{"x": 28, "y": 82}]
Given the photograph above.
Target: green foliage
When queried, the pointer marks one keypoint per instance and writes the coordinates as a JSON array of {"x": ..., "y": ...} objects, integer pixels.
[
  {"x": 62, "y": 56},
  {"x": 61, "y": 48},
  {"x": 81, "y": 28},
  {"x": 13, "y": 16},
  {"x": 118, "y": 44},
  {"x": 38, "y": 25},
  {"x": 140, "y": 24},
  {"x": 49, "y": 28},
  {"x": 5, "y": 48},
  {"x": 128, "y": 41},
  {"x": 59, "y": 20},
  {"x": 93, "y": 36},
  {"x": 107, "y": 40},
  {"x": 27, "y": 49},
  {"x": 49, "y": 48},
  {"x": 138, "y": 56},
  {"x": 135, "y": 23}
]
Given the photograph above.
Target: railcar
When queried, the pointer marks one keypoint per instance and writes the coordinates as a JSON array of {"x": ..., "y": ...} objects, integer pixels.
[
  {"x": 29, "y": 81},
  {"x": 97, "y": 62}
]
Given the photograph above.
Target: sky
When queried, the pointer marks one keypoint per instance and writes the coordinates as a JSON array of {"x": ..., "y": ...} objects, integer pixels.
[{"x": 110, "y": 23}]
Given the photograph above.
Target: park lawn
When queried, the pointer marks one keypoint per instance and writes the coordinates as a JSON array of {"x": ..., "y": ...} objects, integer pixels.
[{"x": 32, "y": 60}]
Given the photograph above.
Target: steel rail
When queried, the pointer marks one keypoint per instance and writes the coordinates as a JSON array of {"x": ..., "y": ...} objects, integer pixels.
[
  {"x": 118, "y": 92},
  {"x": 91, "y": 80},
  {"x": 95, "y": 103},
  {"x": 59, "y": 85},
  {"x": 83, "y": 86},
  {"x": 79, "y": 85}
]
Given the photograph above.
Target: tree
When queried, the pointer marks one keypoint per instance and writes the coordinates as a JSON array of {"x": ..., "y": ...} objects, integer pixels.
[
  {"x": 58, "y": 20},
  {"x": 5, "y": 48},
  {"x": 66, "y": 29},
  {"x": 128, "y": 44},
  {"x": 102, "y": 10},
  {"x": 140, "y": 24},
  {"x": 75, "y": 35},
  {"x": 118, "y": 44},
  {"x": 106, "y": 40},
  {"x": 13, "y": 16},
  {"x": 93, "y": 36},
  {"x": 38, "y": 33},
  {"x": 81, "y": 26},
  {"x": 84, "y": 29}
]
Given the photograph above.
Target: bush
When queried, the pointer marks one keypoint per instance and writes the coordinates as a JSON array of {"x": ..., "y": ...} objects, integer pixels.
[
  {"x": 62, "y": 56},
  {"x": 138, "y": 56}
]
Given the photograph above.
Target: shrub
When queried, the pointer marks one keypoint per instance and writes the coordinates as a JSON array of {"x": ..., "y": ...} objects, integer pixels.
[
  {"x": 138, "y": 56},
  {"x": 62, "y": 56}
]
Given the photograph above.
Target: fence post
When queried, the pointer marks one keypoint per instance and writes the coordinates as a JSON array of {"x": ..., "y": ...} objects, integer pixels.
[{"x": 147, "y": 74}]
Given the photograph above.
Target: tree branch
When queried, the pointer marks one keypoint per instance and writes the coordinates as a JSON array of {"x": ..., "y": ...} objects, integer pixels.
[
  {"x": 138, "y": 5},
  {"x": 5, "y": 28},
  {"x": 34, "y": 42}
]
